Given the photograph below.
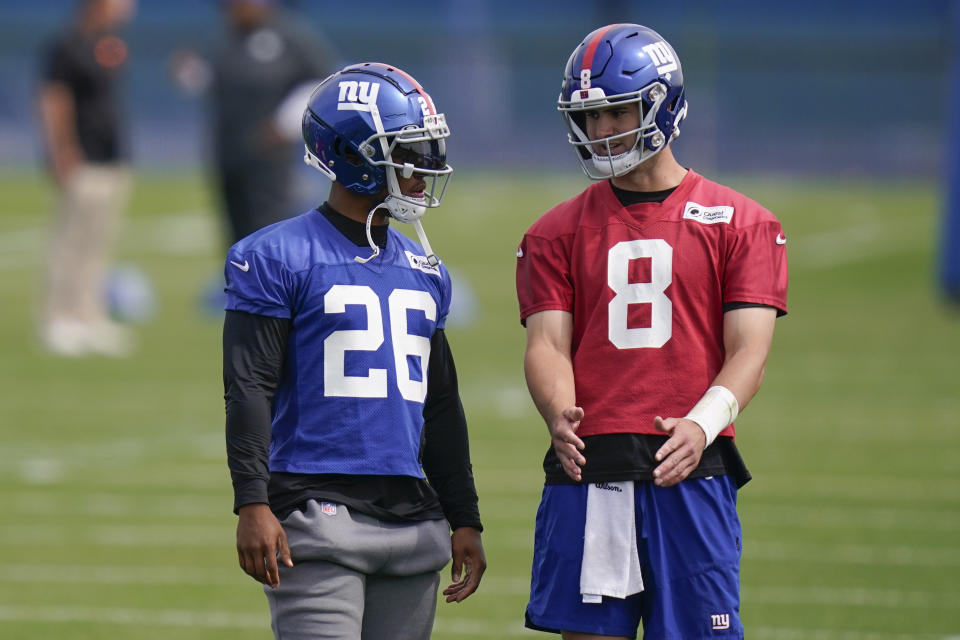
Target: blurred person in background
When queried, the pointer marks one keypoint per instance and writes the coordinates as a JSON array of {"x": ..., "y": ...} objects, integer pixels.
[
  {"x": 346, "y": 438},
  {"x": 649, "y": 302},
  {"x": 86, "y": 151},
  {"x": 257, "y": 80}
]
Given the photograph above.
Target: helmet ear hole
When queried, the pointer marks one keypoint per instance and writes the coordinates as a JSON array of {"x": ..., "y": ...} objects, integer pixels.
[
  {"x": 580, "y": 120},
  {"x": 344, "y": 151}
]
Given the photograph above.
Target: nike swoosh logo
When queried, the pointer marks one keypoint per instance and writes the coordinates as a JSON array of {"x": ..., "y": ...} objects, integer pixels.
[
  {"x": 781, "y": 239},
  {"x": 243, "y": 267}
]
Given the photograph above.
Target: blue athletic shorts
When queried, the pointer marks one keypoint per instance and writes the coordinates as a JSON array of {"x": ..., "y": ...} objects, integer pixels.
[{"x": 688, "y": 539}]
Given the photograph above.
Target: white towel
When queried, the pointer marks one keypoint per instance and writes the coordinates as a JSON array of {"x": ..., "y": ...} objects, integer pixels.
[{"x": 611, "y": 563}]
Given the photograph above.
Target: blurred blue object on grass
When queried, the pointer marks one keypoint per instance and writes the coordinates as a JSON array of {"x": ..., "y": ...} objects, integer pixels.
[{"x": 131, "y": 297}]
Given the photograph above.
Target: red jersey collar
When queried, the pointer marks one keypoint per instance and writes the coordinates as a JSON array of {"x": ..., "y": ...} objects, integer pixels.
[{"x": 679, "y": 194}]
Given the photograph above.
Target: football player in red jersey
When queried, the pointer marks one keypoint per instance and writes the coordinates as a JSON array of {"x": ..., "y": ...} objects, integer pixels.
[{"x": 649, "y": 302}]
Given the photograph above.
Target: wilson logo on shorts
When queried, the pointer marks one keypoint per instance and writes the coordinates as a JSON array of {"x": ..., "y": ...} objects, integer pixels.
[
  {"x": 606, "y": 486},
  {"x": 720, "y": 621}
]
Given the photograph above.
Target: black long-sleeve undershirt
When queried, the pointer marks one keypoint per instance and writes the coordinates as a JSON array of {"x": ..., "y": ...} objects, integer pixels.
[
  {"x": 254, "y": 347},
  {"x": 253, "y": 352}
]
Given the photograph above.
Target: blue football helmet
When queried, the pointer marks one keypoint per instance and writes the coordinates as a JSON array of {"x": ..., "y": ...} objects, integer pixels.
[
  {"x": 622, "y": 64},
  {"x": 369, "y": 121}
]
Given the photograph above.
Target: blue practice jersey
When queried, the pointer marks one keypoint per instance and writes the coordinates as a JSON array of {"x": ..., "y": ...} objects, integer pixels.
[{"x": 350, "y": 398}]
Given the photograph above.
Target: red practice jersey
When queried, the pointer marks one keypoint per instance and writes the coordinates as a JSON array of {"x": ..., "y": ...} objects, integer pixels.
[{"x": 646, "y": 285}]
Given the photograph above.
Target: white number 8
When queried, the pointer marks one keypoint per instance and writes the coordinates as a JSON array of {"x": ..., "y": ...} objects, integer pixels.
[{"x": 652, "y": 293}]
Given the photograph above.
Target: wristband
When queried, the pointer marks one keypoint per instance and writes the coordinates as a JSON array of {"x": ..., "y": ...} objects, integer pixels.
[{"x": 714, "y": 411}]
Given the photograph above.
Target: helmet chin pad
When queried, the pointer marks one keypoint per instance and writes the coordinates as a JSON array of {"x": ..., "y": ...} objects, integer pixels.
[
  {"x": 404, "y": 208},
  {"x": 618, "y": 165}
]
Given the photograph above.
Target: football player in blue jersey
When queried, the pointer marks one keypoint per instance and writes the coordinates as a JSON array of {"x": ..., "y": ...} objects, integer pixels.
[{"x": 346, "y": 438}]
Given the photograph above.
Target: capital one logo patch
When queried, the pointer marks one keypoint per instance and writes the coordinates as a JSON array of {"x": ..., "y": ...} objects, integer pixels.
[
  {"x": 357, "y": 95},
  {"x": 661, "y": 56},
  {"x": 421, "y": 263},
  {"x": 707, "y": 214}
]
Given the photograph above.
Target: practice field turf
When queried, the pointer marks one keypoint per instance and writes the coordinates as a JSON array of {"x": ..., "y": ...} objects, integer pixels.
[{"x": 115, "y": 517}]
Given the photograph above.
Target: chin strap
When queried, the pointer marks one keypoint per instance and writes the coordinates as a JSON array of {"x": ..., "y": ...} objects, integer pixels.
[
  {"x": 373, "y": 245},
  {"x": 432, "y": 258}
]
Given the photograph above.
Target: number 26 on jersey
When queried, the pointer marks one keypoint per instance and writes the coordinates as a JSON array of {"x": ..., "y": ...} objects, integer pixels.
[{"x": 374, "y": 385}]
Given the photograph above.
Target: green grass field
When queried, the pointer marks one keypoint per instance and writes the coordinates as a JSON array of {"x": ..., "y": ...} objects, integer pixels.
[{"x": 115, "y": 501}]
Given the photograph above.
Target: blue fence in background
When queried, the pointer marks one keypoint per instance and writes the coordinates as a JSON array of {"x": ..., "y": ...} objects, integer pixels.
[{"x": 822, "y": 87}]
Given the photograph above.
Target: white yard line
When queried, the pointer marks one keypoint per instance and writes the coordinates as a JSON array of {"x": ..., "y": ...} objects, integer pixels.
[
  {"x": 206, "y": 619},
  {"x": 784, "y": 633},
  {"x": 177, "y": 233},
  {"x": 512, "y": 537},
  {"x": 854, "y": 554},
  {"x": 460, "y": 627},
  {"x": 854, "y": 517},
  {"x": 33, "y": 502},
  {"x": 463, "y": 627},
  {"x": 123, "y": 535},
  {"x": 851, "y": 597},
  {"x": 498, "y": 586},
  {"x": 878, "y": 489},
  {"x": 141, "y": 617},
  {"x": 835, "y": 247},
  {"x": 120, "y": 575},
  {"x": 22, "y": 240}
]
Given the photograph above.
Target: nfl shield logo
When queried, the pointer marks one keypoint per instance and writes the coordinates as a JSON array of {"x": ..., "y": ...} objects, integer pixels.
[{"x": 328, "y": 508}]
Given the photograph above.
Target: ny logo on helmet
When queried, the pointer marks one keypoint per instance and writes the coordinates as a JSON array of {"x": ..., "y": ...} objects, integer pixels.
[
  {"x": 661, "y": 56},
  {"x": 357, "y": 95}
]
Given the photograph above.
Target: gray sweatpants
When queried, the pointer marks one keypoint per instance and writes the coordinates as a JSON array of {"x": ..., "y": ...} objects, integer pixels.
[{"x": 357, "y": 578}]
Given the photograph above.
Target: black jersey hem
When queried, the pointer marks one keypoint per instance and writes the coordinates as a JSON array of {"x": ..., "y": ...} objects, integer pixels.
[{"x": 631, "y": 456}]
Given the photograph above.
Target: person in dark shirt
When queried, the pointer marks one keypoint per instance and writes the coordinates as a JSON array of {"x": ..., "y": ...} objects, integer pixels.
[
  {"x": 257, "y": 79},
  {"x": 346, "y": 438},
  {"x": 85, "y": 149}
]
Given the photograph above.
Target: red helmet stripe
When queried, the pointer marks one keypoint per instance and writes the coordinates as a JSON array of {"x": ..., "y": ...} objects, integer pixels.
[
  {"x": 592, "y": 47},
  {"x": 416, "y": 85}
]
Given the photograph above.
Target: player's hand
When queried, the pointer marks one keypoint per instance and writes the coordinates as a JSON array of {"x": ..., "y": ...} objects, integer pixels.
[
  {"x": 469, "y": 563},
  {"x": 680, "y": 454},
  {"x": 259, "y": 540},
  {"x": 566, "y": 444}
]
